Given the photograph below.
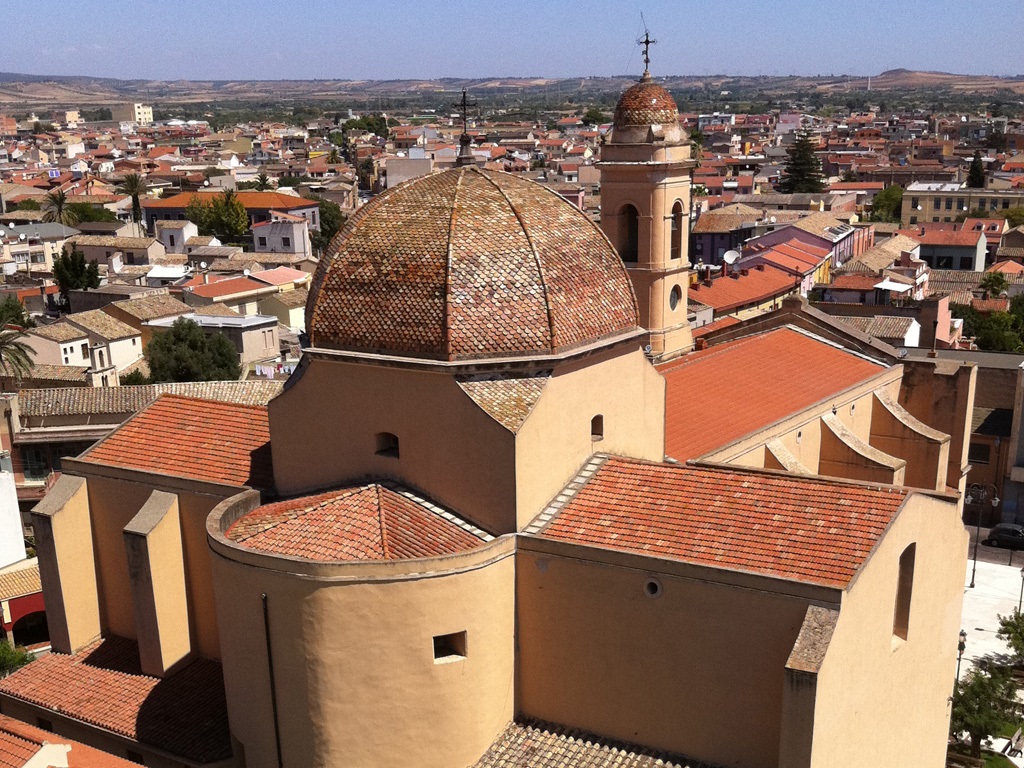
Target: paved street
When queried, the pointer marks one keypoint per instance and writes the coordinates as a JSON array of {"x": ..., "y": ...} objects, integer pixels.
[{"x": 993, "y": 554}]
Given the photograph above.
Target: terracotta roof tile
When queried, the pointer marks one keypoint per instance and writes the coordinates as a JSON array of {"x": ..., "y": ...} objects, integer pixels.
[
  {"x": 19, "y": 582},
  {"x": 804, "y": 529},
  {"x": 103, "y": 685},
  {"x": 72, "y": 374},
  {"x": 16, "y": 751},
  {"x": 262, "y": 201},
  {"x": 645, "y": 103},
  {"x": 535, "y": 744},
  {"x": 368, "y": 522},
  {"x": 187, "y": 437},
  {"x": 773, "y": 375},
  {"x": 714, "y": 325},
  {"x": 469, "y": 264},
  {"x": 106, "y": 326},
  {"x": 77, "y": 401},
  {"x": 231, "y": 287},
  {"x": 59, "y": 332},
  {"x": 726, "y": 294},
  {"x": 79, "y": 756},
  {"x": 152, "y": 307},
  {"x": 508, "y": 401}
]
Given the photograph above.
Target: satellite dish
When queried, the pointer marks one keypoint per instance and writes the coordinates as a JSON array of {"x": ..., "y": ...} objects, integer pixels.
[
  {"x": 730, "y": 257},
  {"x": 902, "y": 352},
  {"x": 772, "y": 219},
  {"x": 202, "y": 265},
  {"x": 648, "y": 349},
  {"x": 246, "y": 272}
]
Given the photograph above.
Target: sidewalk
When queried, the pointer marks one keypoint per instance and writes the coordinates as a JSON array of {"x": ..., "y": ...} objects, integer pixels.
[{"x": 996, "y": 592}]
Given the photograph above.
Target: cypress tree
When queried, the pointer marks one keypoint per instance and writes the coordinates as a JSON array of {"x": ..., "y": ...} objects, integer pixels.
[
  {"x": 976, "y": 176},
  {"x": 803, "y": 169}
]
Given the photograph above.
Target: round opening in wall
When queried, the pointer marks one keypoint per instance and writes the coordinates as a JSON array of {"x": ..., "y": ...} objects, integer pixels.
[
  {"x": 674, "y": 297},
  {"x": 652, "y": 588}
]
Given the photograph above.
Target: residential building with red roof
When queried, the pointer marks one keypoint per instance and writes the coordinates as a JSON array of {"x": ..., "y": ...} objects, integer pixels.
[
  {"x": 258, "y": 205},
  {"x": 503, "y": 515}
]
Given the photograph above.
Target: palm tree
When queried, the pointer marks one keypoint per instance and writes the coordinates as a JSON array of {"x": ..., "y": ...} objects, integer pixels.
[
  {"x": 135, "y": 187},
  {"x": 15, "y": 354},
  {"x": 333, "y": 157},
  {"x": 262, "y": 182},
  {"x": 56, "y": 209},
  {"x": 993, "y": 284}
]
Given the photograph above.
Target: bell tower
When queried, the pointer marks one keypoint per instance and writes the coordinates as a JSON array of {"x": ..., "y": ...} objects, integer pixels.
[{"x": 646, "y": 178}]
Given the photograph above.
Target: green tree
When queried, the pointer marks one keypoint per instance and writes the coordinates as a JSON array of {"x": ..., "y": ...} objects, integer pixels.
[
  {"x": 71, "y": 272},
  {"x": 185, "y": 353},
  {"x": 976, "y": 176},
  {"x": 993, "y": 284},
  {"x": 983, "y": 704},
  {"x": 12, "y": 312},
  {"x": 997, "y": 332},
  {"x": 263, "y": 182},
  {"x": 200, "y": 212},
  {"x": 365, "y": 171},
  {"x": 331, "y": 220},
  {"x": 135, "y": 187},
  {"x": 887, "y": 203},
  {"x": 134, "y": 378},
  {"x": 12, "y": 658},
  {"x": 15, "y": 357},
  {"x": 229, "y": 217},
  {"x": 28, "y": 204},
  {"x": 593, "y": 116},
  {"x": 334, "y": 156},
  {"x": 56, "y": 207},
  {"x": 1011, "y": 631},
  {"x": 87, "y": 212},
  {"x": 803, "y": 169},
  {"x": 848, "y": 175}
]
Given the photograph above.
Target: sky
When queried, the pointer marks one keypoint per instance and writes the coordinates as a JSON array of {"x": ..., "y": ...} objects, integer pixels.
[{"x": 414, "y": 39}]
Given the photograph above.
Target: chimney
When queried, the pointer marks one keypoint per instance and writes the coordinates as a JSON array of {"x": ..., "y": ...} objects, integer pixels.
[
  {"x": 700, "y": 344},
  {"x": 725, "y": 268},
  {"x": 760, "y": 267},
  {"x": 744, "y": 272},
  {"x": 707, "y": 282},
  {"x": 206, "y": 278}
]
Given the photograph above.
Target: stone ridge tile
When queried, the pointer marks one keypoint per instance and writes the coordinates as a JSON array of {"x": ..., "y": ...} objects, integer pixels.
[
  {"x": 814, "y": 531},
  {"x": 365, "y": 523},
  {"x": 772, "y": 375},
  {"x": 192, "y": 438},
  {"x": 507, "y": 401},
  {"x": 103, "y": 685}
]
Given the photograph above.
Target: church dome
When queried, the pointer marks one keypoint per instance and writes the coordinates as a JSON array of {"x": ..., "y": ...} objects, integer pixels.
[
  {"x": 467, "y": 265},
  {"x": 646, "y": 112}
]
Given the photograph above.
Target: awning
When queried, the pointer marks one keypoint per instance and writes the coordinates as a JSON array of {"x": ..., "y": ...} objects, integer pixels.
[{"x": 890, "y": 285}]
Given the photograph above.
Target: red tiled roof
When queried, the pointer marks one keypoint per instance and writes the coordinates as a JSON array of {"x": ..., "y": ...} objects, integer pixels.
[
  {"x": 714, "y": 325},
  {"x": 751, "y": 383},
  {"x": 855, "y": 281},
  {"x": 229, "y": 287},
  {"x": 188, "y": 437},
  {"x": 809, "y": 530},
  {"x": 947, "y": 237},
  {"x": 728, "y": 293},
  {"x": 103, "y": 685},
  {"x": 369, "y": 522},
  {"x": 280, "y": 275},
  {"x": 14, "y": 735},
  {"x": 1007, "y": 267}
]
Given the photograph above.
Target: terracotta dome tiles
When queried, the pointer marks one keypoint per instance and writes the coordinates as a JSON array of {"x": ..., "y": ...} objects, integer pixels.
[
  {"x": 646, "y": 103},
  {"x": 465, "y": 265}
]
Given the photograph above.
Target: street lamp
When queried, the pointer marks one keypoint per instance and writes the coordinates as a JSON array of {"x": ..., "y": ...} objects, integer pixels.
[
  {"x": 979, "y": 491},
  {"x": 960, "y": 654}
]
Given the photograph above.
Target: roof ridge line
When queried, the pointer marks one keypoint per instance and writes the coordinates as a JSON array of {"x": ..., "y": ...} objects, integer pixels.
[
  {"x": 567, "y": 494},
  {"x": 382, "y": 523},
  {"x": 445, "y": 321},
  {"x": 536, "y": 258}
]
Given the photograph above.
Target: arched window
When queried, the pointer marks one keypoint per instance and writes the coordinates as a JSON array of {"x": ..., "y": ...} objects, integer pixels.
[
  {"x": 677, "y": 231},
  {"x": 387, "y": 445},
  {"x": 904, "y": 590},
  {"x": 629, "y": 242},
  {"x": 597, "y": 428}
]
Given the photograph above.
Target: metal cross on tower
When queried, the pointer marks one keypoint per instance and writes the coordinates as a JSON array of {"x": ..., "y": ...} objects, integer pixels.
[
  {"x": 465, "y": 156},
  {"x": 463, "y": 107},
  {"x": 646, "y": 42}
]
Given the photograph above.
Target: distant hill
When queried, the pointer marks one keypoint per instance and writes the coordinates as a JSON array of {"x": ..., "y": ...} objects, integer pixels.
[{"x": 30, "y": 91}]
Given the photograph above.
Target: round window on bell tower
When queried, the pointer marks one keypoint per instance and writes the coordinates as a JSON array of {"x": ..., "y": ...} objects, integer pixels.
[{"x": 674, "y": 297}]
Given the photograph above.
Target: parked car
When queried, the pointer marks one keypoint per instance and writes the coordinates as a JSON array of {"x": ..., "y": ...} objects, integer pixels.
[{"x": 1009, "y": 535}]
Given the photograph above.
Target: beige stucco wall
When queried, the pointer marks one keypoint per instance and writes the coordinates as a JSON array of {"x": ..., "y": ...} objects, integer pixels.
[
  {"x": 450, "y": 449},
  {"x": 698, "y": 670},
  {"x": 864, "y": 715},
  {"x": 555, "y": 440},
  {"x": 353, "y": 660}
]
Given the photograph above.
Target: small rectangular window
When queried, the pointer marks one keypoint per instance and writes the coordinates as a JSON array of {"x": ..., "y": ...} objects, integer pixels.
[
  {"x": 978, "y": 453},
  {"x": 449, "y": 647},
  {"x": 262, "y": 241},
  {"x": 286, "y": 242},
  {"x": 45, "y": 724},
  {"x": 172, "y": 241}
]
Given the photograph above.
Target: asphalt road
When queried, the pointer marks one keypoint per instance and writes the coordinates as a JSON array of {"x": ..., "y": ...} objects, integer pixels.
[{"x": 994, "y": 554}]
